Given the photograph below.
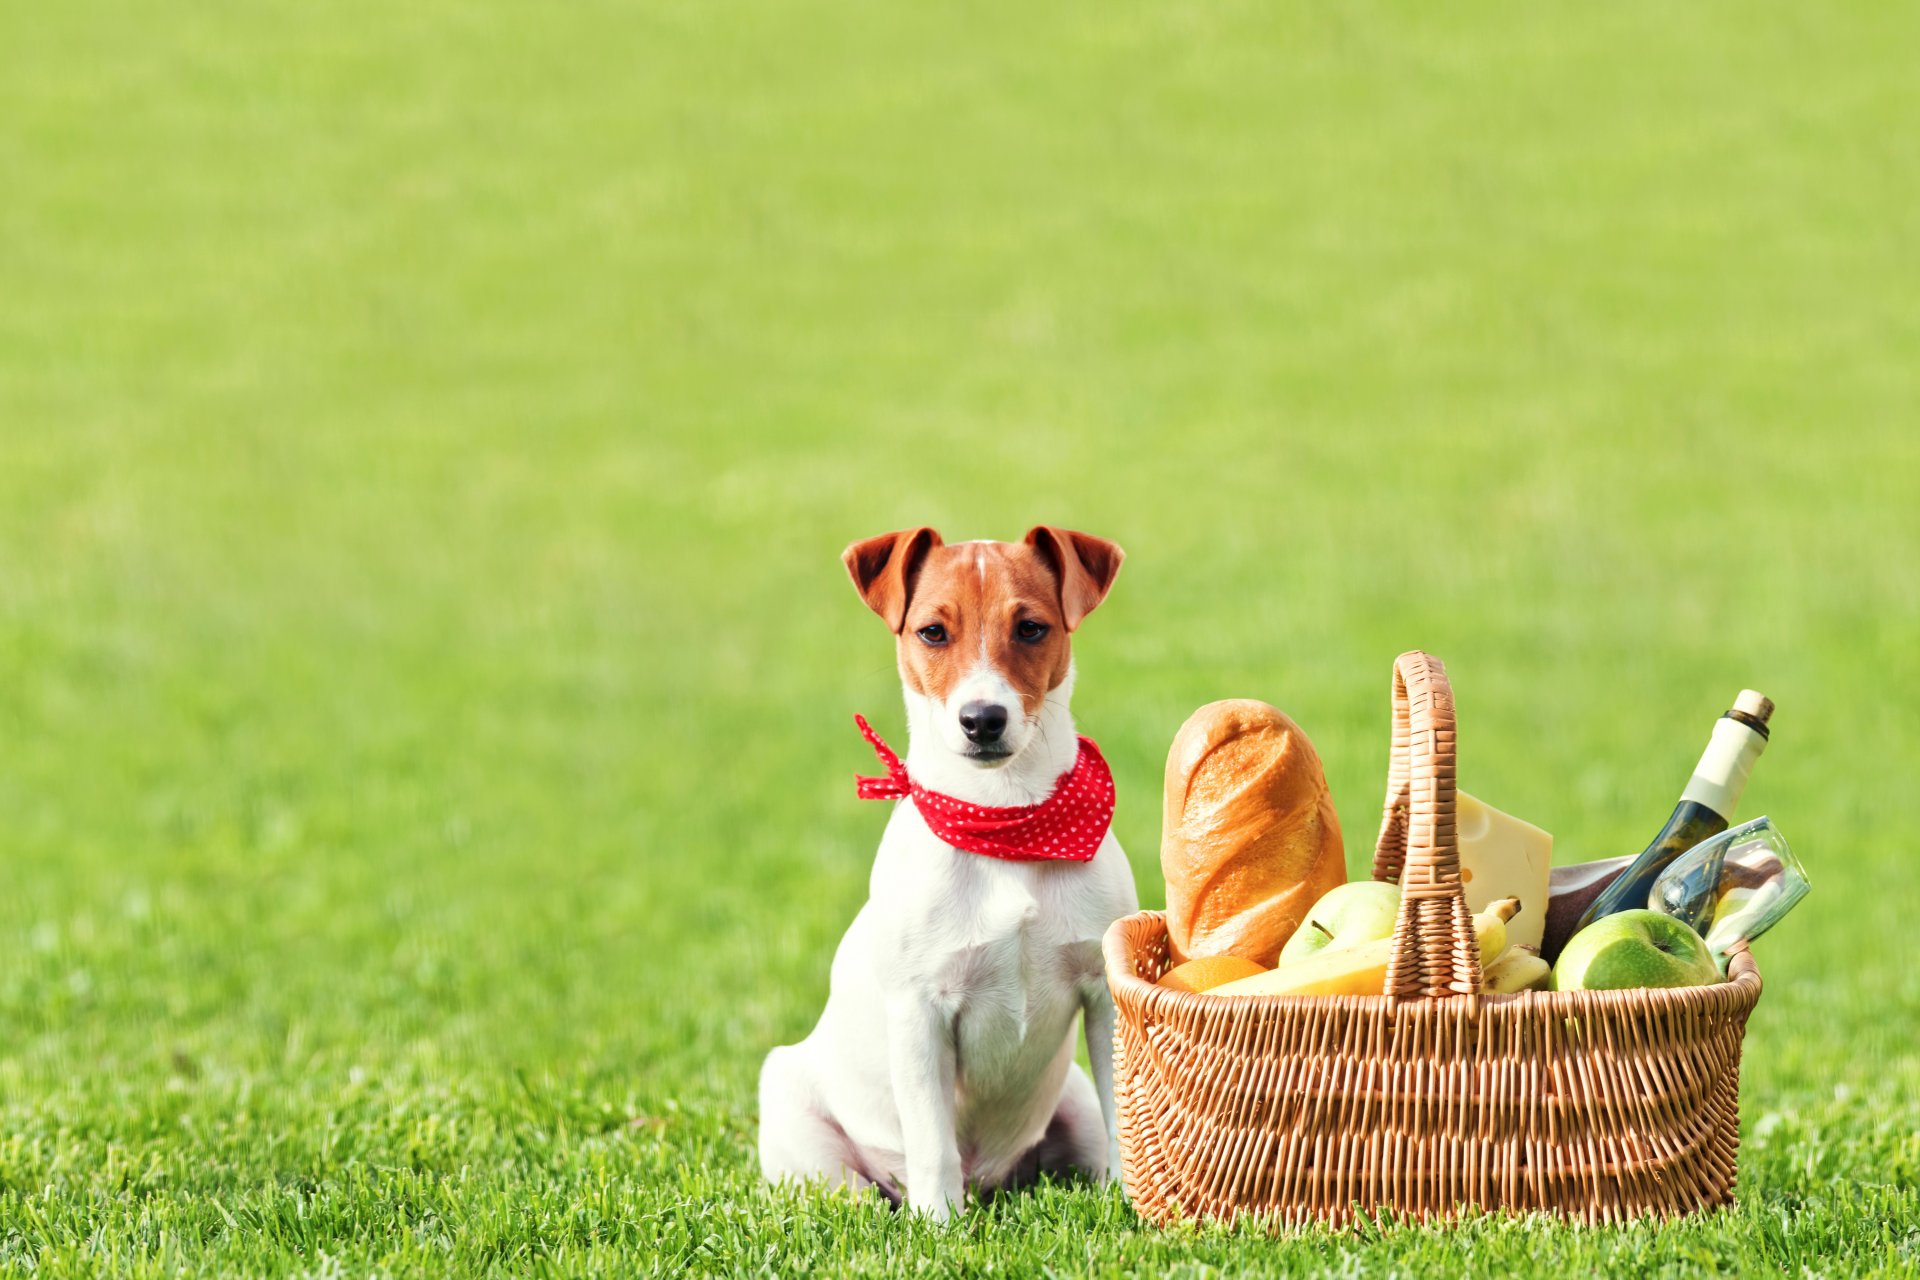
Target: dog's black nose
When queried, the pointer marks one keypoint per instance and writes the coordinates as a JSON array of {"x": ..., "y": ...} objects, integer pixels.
[{"x": 983, "y": 722}]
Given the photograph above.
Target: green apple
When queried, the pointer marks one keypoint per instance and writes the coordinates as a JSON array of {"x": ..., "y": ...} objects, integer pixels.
[
  {"x": 1634, "y": 949},
  {"x": 1358, "y": 911}
]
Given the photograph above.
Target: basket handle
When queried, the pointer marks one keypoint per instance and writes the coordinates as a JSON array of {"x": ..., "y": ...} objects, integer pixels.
[{"x": 1435, "y": 952}]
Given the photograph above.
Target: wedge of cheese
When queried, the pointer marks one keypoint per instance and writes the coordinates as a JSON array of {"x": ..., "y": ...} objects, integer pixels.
[{"x": 1503, "y": 857}]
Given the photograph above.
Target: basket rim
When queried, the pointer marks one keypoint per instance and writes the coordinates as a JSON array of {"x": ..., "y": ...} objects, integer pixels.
[{"x": 1741, "y": 988}]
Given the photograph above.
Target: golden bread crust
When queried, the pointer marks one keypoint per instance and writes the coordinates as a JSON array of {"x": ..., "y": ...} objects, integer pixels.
[{"x": 1249, "y": 836}]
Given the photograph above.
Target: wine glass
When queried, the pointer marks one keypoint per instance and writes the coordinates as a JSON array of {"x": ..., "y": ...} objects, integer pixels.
[{"x": 1732, "y": 887}]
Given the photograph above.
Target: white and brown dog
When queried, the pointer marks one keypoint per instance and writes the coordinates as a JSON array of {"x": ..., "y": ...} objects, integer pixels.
[{"x": 944, "y": 1057}]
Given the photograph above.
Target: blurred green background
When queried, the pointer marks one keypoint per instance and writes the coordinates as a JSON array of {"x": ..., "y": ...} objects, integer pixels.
[{"x": 427, "y": 435}]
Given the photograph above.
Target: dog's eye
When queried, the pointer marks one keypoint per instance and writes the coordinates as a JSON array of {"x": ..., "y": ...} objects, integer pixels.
[
  {"x": 933, "y": 633},
  {"x": 1030, "y": 631}
]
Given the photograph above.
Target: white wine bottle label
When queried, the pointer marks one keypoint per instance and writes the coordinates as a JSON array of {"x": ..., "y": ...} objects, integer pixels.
[{"x": 1721, "y": 776}]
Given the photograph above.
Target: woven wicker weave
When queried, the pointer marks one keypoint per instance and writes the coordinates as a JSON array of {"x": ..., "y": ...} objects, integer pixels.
[{"x": 1432, "y": 1100}]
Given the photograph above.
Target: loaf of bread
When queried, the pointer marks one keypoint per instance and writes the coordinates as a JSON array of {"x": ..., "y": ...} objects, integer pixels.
[{"x": 1250, "y": 838}]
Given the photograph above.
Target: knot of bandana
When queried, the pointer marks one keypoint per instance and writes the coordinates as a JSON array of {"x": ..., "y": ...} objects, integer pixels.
[{"x": 1067, "y": 826}]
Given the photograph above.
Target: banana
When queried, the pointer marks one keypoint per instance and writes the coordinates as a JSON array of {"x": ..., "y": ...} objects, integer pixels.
[
  {"x": 1519, "y": 969},
  {"x": 1361, "y": 969}
]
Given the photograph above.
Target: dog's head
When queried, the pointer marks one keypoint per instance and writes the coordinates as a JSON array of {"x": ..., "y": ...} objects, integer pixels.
[{"x": 983, "y": 627}]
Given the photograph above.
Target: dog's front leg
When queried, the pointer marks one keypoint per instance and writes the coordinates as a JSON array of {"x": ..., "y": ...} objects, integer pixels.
[
  {"x": 920, "y": 1056},
  {"x": 1098, "y": 1014}
]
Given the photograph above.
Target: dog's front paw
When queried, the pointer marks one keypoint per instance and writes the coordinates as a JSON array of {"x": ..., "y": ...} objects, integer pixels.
[{"x": 937, "y": 1209}]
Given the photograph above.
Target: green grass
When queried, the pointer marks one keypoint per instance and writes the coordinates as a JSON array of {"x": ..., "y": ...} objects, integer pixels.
[{"x": 427, "y": 432}]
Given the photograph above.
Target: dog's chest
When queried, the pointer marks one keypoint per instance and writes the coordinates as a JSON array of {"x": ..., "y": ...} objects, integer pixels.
[{"x": 1004, "y": 948}]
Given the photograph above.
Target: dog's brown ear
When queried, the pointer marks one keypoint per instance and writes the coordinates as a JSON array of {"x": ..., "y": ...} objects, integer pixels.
[
  {"x": 1084, "y": 565},
  {"x": 883, "y": 570}
]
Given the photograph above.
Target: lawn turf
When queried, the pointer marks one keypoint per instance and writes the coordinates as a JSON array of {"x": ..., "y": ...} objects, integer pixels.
[{"x": 427, "y": 432}]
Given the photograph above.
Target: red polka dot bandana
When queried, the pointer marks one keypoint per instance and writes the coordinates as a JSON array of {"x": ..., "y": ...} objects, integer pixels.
[{"x": 1067, "y": 826}]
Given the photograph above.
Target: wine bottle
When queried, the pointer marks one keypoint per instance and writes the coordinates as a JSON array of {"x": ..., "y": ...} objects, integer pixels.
[{"x": 1705, "y": 807}]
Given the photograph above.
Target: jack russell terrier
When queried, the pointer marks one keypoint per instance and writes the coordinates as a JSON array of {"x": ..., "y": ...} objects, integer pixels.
[{"x": 944, "y": 1057}]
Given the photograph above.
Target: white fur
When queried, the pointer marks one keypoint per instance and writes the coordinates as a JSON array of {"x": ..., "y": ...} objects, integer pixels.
[
  {"x": 933, "y": 729},
  {"x": 945, "y": 1052}
]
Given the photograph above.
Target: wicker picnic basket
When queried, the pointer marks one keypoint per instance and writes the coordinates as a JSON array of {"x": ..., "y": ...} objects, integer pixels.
[{"x": 1432, "y": 1100}]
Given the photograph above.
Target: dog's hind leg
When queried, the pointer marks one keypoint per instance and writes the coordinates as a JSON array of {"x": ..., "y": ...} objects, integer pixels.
[{"x": 799, "y": 1140}]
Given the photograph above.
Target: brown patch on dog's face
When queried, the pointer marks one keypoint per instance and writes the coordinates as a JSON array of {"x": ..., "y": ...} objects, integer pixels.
[
  {"x": 1006, "y": 606},
  {"x": 992, "y": 604}
]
